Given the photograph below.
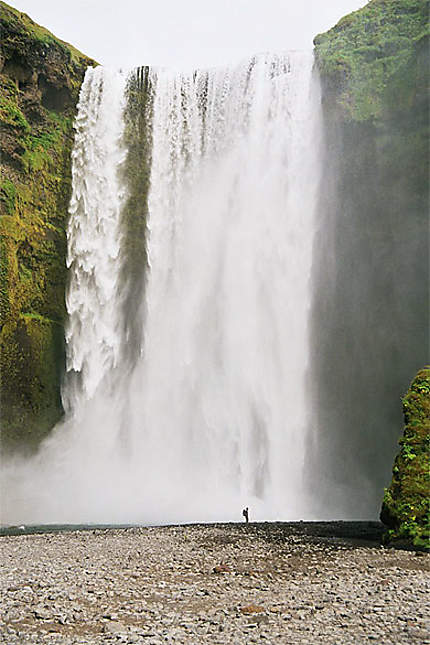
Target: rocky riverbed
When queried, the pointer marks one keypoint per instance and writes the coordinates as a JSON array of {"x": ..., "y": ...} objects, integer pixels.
[{"x": 220, "y": 583}]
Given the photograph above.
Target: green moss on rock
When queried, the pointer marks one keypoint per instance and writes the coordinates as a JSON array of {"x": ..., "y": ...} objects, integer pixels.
[
  {"x": 40, "y": 78},
  {"x": 372, "y": 58},
  {"x": 406, "y": 504}
]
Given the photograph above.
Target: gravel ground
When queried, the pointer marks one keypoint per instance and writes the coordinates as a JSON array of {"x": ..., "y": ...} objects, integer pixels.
[{"x": 220, "y": 583}]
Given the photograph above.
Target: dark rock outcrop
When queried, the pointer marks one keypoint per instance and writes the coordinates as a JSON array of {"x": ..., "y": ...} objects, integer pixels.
[
  {"x": 405, "y": 508},
  {"x": 40, "y": 78}
]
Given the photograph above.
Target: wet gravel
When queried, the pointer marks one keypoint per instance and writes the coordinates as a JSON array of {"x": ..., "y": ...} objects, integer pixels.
[{"x": 312, "y": 583}]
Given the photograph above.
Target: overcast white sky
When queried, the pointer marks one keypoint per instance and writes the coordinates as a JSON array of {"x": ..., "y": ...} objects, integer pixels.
[{"x": 185, "y": 33}]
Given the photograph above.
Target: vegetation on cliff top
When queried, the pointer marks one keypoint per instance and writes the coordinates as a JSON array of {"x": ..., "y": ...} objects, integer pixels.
[
  {"x": 21, "y": 23},
  {"x": 40, "y": 78},
  {"x": 370, "y": 57},
  {"x": 406, "y": 507}
]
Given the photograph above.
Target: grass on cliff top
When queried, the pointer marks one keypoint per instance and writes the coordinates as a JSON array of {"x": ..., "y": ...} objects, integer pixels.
[
  {"x": 371, "y": 50},
  {"x": 22, "y": 22},
  {"x": 380, "y": 28}
]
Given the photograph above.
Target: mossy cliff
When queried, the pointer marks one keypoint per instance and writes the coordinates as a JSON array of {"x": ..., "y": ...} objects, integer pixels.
[
  {"x": 371, "y": 262},
  {"x": 406, "y": 507},
  {"x": 40, "y": 78}
]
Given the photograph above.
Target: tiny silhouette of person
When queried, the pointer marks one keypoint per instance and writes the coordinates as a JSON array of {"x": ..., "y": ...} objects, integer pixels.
[{"x": 245, "y": 514}]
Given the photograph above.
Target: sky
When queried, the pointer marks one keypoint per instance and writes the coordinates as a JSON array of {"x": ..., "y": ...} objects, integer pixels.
[{"x": 185, "y": 33}]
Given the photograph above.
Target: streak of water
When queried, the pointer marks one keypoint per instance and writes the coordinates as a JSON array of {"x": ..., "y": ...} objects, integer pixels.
[{"x": 92, "y": 339}]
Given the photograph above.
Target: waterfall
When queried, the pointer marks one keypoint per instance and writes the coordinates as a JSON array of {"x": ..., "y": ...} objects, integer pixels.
[
  {"x": 204, "y": 408},
  {"x": 93, "y": 236}
]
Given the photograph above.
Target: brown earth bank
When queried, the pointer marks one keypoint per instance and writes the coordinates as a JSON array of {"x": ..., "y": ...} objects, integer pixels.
[{"x": 301, "y": 582}]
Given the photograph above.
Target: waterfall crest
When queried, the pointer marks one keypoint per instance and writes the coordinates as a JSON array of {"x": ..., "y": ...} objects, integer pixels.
[{"x": 211, "y": 413}]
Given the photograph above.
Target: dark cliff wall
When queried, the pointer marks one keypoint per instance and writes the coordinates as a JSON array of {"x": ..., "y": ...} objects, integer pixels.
[
  {"x": 371, "y": 269},
  {"x": 40, "y": 78},
  {"x": 136, "y": 178}
]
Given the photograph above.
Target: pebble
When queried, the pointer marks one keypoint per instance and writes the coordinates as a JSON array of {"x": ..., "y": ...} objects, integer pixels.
[{"x": 218, "y": 583}]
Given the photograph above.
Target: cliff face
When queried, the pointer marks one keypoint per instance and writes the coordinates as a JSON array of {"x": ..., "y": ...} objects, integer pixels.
[
  {"x": 40, "y": 78},
  {"x": 370, "y": 315}
]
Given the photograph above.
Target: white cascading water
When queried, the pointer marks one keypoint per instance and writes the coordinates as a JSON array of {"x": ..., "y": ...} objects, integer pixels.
[
  {"x": 214, "y": 413},
  {"x": 93, "y": 235}
]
